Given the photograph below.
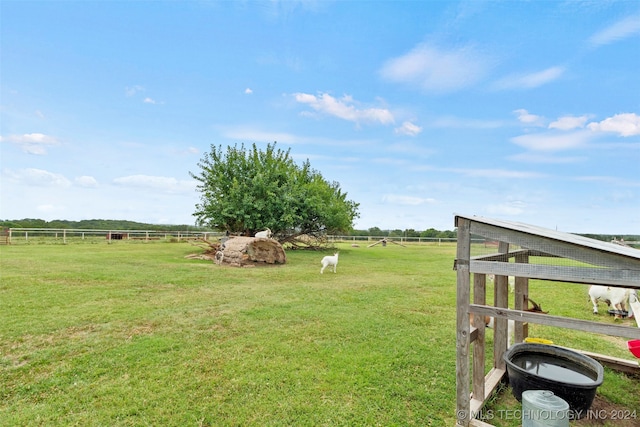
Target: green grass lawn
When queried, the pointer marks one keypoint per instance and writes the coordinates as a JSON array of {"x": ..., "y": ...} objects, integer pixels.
[{"x": 134, "y": 334}]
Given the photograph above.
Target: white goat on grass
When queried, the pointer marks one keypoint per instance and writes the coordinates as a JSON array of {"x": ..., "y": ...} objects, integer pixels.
[
  {"x": 329, "y": 261},
  {"x": 618, "y": 298}
]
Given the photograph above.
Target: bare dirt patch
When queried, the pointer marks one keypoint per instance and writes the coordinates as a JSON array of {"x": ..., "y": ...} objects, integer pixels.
[{"x": 605, "y": 413}]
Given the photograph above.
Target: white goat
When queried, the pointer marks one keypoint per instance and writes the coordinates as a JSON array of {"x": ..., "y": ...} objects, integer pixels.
[
  {"x": 634, "y": 304},
  {"x": 614, "y": 297},
  {"x": 329, "y": 261},
  {"x": 265, "y": 234},
  {"x": 512, "y": 282}
]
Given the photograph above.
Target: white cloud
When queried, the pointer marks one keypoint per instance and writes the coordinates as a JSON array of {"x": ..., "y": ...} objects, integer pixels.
[
  {"x": 437, "y": 70},
  {"x": 35, "y": 177},
  {"x": 566, "y": 134},
  {"x": 344, "y": 108},
  {"x": 162, "y": 183},
  {"x": 132, "y": 90},
  {"x": 530, "y": 157},
  {"x": 305, "y": 98},
  {"x": 408, "y": 128},
  {"x": 86, "y": 181},
  {"x": 627, "y": 124},
  {"x": 620, "y": 30},
  {"x": 568, "y": 123},
  {"x": 32, "y": 143},
  {"x": 248, "y": 91},
  {"x": 552, "y": 141},
  {"x": 527, "y": 118},
  {"x": 406, "y": 200},
  {"x": 531, "y": 80},
  {"x": 37, "y": 138}
]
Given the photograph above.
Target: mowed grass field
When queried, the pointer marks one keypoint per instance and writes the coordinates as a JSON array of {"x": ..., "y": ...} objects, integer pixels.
[{"x": 135, "y": 334}]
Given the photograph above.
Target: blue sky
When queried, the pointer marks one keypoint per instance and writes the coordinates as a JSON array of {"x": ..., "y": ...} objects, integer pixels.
[{"x": 525, "y": 111}]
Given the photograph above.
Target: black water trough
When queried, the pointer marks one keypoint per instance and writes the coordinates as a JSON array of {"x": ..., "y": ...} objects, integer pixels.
[{"x": 570, "y": 375}]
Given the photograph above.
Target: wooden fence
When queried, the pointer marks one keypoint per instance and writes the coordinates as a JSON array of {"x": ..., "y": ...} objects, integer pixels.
[{"x": 64, "y": 235}]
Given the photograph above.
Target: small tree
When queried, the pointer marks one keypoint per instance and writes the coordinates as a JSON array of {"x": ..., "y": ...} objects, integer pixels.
[
  {"x": 431, "y": 232},
  {"x": 375, "y": 231},
  {"x": 410, "y": 232},
  {"x": 244, "y": 191}
]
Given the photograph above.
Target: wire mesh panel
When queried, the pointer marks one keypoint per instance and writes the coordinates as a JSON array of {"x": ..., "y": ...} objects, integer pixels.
[{"x": 553, "y": 255}]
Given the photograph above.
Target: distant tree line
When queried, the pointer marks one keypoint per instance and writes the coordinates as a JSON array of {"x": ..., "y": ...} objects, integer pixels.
[
  {"x": 410, "y": 232},
  {"x": 609, "y": 237},
  {"x": 96, "y": 224}
]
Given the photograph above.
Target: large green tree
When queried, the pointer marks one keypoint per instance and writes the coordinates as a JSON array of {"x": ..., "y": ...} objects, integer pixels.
[{"x": 248, "y": 190}]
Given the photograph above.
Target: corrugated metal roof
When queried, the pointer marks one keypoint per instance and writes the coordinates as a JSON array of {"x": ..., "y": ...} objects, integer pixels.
[{"x": 568, "y": 238}]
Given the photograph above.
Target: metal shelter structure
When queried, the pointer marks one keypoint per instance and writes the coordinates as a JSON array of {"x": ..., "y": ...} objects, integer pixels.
[{"x": 585, "y": 261}]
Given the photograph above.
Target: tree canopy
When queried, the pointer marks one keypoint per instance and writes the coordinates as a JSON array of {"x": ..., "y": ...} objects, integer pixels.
[{"x": 244, "y": 191}]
